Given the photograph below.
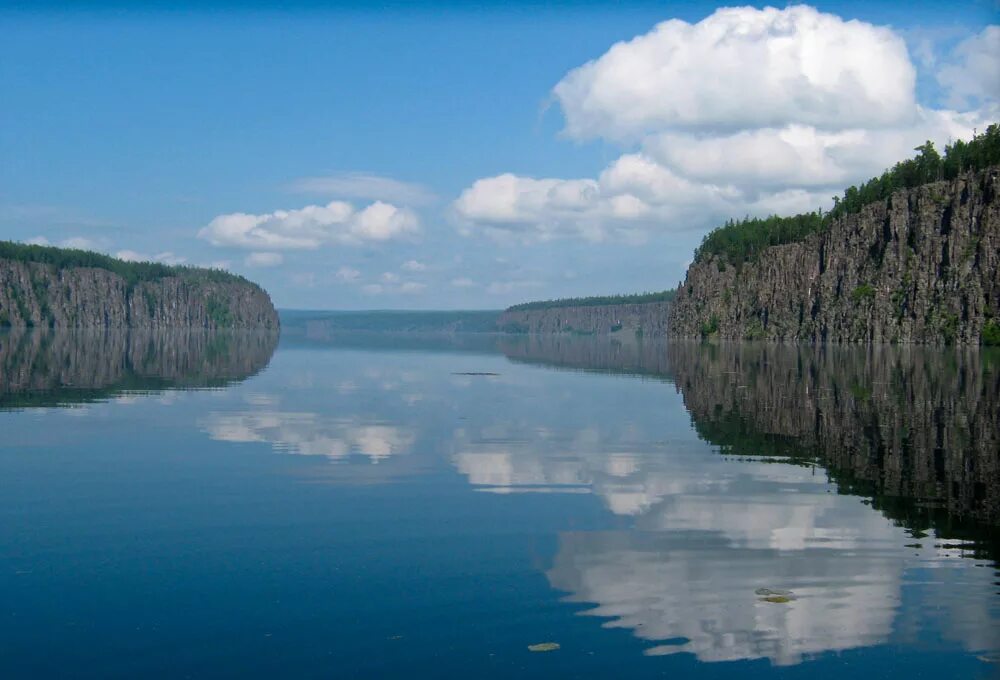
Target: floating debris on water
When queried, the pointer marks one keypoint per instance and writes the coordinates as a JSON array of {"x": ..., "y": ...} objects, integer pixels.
[
  {"x": 777, "y": 596},
  {"x": 544, "y": 647}
]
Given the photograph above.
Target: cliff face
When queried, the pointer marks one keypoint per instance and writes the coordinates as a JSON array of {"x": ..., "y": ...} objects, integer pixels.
[
  {"x": 41, "y": 295},
  {"x": 920, "y": 267},
  {"x": 648, "y": 319}
]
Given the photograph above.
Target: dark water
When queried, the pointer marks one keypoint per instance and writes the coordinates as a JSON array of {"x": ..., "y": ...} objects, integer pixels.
[{"x": 361, "y": 506}]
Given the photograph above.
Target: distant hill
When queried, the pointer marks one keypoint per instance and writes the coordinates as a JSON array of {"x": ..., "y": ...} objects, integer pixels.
[{"x": 301, "y": 322}]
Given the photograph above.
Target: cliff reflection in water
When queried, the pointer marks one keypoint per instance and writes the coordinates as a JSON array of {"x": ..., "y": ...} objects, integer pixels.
[
  {"x": 803, "y": 431},
  {"x": 50, "y": 368},
  {"x": 916, "y": 428},
  {"x": 893, "y": 423}
]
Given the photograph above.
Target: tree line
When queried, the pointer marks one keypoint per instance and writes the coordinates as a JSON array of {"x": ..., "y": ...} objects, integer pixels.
[
  {"x": 596, "y": 301},
  {"x": 132, "y": 272},
  {"x": 740, "y": 240}
]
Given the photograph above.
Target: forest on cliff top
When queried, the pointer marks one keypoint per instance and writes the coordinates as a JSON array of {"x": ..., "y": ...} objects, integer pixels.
[
  {"x": 132, "y": 272},
  {"x": 738, "y": 241}
]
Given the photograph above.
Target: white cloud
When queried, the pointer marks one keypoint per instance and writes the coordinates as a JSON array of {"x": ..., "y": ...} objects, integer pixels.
[
  {"x": 462, "y": 282},
  {"x": 263, "y": 259},
  {"x": 311, "y": 227},
  {"x": 804, "y": 156},
  {"x": 347, "y": 274},
  {"x": 973, "y": 71},
  {"x": 412, "y": 287},
  {"x": 366, "y": 186},
  {"x": 743, "y": 67},
  {"x": 304, "y": 279},
  {"x": 746, "y": 112},
  {"x": 531, "y": 208},
  {"x": 505, "y": 287},
  {"x": 78, "y": 242},
  {"x": 413, "y": 266},
  {"x": 166, "y": 257},
  {"x": 372, "y": 289},
  {"x": 390, "y": 277}
]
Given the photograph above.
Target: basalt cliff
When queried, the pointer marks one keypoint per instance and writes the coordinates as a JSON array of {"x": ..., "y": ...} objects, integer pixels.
[
  {"x": 649, "y": 319},
  {"x": 921, "y": 266},
  {"x": 49, "y": 287}
]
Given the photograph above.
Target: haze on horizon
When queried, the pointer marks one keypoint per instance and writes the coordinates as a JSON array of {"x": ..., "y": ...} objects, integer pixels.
[{"x": 441, "y": 156}]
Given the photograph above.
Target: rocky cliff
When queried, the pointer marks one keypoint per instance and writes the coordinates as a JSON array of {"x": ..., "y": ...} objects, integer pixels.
[
  {"x": 647, "y": 319},
  {"x": 920, "y": 267},
  {"x": 45, "y": 295}
]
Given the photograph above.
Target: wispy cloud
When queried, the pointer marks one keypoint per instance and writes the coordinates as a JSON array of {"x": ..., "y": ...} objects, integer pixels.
[
  {"x": 365, "y": 186},
  {"x": 263, "y": 260}
]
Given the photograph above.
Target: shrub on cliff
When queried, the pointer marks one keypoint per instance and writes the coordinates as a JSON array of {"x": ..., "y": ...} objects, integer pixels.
[{"x": 991, "y": 333}]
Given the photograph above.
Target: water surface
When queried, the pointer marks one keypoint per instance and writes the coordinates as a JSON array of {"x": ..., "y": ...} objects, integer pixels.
[{"x": 377, "y": 505}]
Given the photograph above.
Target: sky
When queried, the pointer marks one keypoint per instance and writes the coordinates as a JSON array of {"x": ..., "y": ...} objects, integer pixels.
[{"x": 462, "y": 155}]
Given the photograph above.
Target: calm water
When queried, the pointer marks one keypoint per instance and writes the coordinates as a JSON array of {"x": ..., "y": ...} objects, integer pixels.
[{"x": 377, "y": 506}]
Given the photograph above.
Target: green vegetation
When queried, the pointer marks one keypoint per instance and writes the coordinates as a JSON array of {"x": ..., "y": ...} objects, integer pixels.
[
  {"x": 132, "y": 272},
  {"x": 710, "y": 327},
  {"x": 739, "y": 241},
  {"x": 991, "y": 333},
  {"x": 754, "y": 330},
  {"x": 862, "y": 292},
  {"x": 219, "y": 312},
  {"x": 634, "y": 299}
]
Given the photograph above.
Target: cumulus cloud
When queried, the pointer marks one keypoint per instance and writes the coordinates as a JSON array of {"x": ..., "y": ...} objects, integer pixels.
[
  {"x": 413, "y": 266},
  {"x": 412, "y": 287},
  {"x": 463, "y": 282},
  {"x": 505, "y": 287},
  {"x": 391, "y": 284},
  {"x": 311, "y": 227},
  {"x": 742, "y": 66},
  {"x": 77, "y": 242},
  {"x": 263, "y": 259},
  {"x": 745, "y": 112},
  {"x": 347, "y": 274},
  {"x": 166, "y": 257},
  {"x": 366, "y": 186},
  {"x": 304, "y": 279},
  {"x": 973, "y": 71}
]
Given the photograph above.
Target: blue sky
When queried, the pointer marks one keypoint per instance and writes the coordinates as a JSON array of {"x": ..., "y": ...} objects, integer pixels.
[{"x": 458, "y": 156}]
